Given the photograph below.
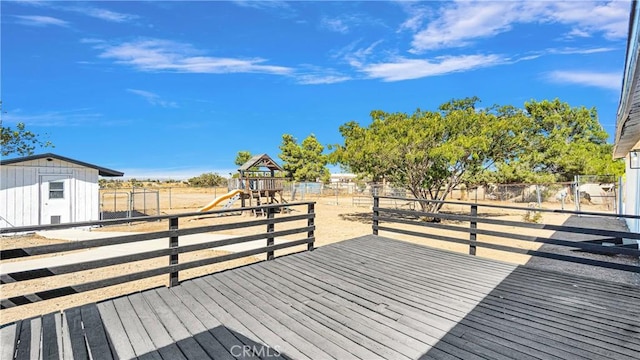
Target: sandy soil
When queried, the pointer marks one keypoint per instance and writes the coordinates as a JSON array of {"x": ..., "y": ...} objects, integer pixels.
[{"x": 337, "y": 219}]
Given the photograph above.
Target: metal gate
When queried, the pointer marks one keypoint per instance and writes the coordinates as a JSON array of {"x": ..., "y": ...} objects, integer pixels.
[{"x": 119, "y": 204}]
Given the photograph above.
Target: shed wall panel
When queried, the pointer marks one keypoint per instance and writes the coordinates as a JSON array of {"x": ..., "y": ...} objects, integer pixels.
[{"x": 20, "y": 191}]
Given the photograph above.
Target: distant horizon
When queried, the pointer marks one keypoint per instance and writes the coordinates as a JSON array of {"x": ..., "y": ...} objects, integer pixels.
[{"x": 179, "y": 88}]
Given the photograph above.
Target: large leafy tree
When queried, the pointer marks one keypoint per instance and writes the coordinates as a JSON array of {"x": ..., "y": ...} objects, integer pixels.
[
  {"x": 430, "y": 152},
  {"x": 242, "y": 157},
  {"x": 562, "y": 141},
  {"x": 20, "y": 141},
  {"x": 305, "y": 161}
]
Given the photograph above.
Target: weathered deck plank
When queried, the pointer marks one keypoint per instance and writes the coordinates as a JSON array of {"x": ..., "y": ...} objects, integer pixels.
[
  {"x": 8, "y": 340},
  {"x": 554, "y": 317},
  {"x": 364, "y": 298},
  {"x": 94, "y": 333},
  {"x": 117, "y": 336},
  {"x": 221, "y": 333},
  {"x": 50, "y": 346},
  {"x": 138, "y": 338}
]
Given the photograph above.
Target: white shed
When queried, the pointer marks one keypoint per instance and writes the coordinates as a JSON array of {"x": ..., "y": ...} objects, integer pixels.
[{"x": 49, "y": 189}]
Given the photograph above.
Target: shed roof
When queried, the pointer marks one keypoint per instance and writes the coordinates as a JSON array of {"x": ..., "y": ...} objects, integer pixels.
[
  {"x": 102, "y": 171},
  {"x": 262, "y": 160},
  {"x": 628, "y": 119}
]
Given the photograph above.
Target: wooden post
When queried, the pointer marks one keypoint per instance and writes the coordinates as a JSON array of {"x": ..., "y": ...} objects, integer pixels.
[
  {"x": 311, "y": 222},
  {"x": 270, "y": 229},
  {"x": 473, "y": 225},
  {"x": 376, "y": 204},
  {"x": 173, "y": 258}
]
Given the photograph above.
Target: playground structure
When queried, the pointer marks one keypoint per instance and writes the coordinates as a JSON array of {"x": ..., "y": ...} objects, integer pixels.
[
  {"x": 231, "y": 196},
  {"x": 257, "y": 182}
]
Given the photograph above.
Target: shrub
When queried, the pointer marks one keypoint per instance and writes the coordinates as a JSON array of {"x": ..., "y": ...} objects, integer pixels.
[
  {"x": 532, "y": 215},
  {"x": 207, "y": 180}
]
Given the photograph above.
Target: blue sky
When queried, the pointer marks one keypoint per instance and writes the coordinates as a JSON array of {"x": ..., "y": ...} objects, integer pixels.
[{"x": 175, "y": 89}]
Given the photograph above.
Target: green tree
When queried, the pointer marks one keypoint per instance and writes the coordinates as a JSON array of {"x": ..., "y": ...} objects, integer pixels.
[
  {"x": 242, "y": 157},
  {"x": 207, "y": 180},
  {"x": 562, "y": 141},
  {"x": 20, "y": 141},
  {"x": 306, "y": 161},
  {"x": 431, "y": 152}
]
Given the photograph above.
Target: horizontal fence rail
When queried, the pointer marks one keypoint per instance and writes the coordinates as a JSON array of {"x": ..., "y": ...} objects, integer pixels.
[
  {"x": 419, "y": 220},
  {"x": 171, "y": 252}
]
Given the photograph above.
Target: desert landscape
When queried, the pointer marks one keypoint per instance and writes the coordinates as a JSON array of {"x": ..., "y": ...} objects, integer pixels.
[{"x": 338, "y": 217}]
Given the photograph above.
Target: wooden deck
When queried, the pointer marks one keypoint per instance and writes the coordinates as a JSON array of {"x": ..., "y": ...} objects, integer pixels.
[{"x": 365, "y": 298}]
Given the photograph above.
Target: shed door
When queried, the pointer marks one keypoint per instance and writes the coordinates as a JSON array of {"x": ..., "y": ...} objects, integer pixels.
[{"x": 55, "y": 199}]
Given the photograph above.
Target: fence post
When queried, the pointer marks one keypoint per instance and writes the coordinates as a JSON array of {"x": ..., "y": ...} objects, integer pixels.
[
  {"x": 618, "y": 193},
  {"x": 311, "y": 222},
  {"x": 473, "y": 225},
  {"x": 173, "y": 258},
  {"x": 144, "y": 201},
  {"x": 376, "y": 204},
  {"x": 270, "y": 229}
]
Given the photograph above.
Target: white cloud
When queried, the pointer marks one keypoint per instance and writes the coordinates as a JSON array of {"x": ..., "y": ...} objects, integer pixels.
[
  {"x": 106, "y": 15},
  {"x": 256, "y": 4},
  {"x": 355, "y": 57},
  {"x": 76, "y": 117},
  {"x": 153, "y": 99},
  {"x": 579, "y": 51},
  {"x": 278, "y": 8},
  {"x": 98, "y": 13},
  {"x": 418, "y": 14},
  {"x": 36, "y": 20},
  {"x": 317, "y": 79},
  {"x": 164, "y": 55},
  {"x": 406, "y": 69},
  {"x": 335, "y": 25},
  {"x": 609, "y": 18},
  {"x": 612, "y": 81},
  {"x": 460, "y": 23}
]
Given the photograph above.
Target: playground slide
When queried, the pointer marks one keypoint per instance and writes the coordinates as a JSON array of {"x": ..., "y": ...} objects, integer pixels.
[{"x": 220, "y": 199}]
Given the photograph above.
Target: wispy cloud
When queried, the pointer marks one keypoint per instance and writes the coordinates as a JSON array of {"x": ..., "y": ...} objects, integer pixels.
[
  {"x": 334, "y": 24},
  {"x": 68, "y": 118},
  {"x": 462, "y": 22},
  {"x": 418, "y": 14},
  {"x": 164, "y": 55},
  {"x": 318, "y": 79},
  {"x": 95, "y": 12},
  {"x": 153, "y": 99},
  {"x": 355, "y": 56},
  {"x": 348, "y": 23},
  {"x": 37, "y": 20},
  {"x": 579, "y": 51},
  {"x": 256, "y": 4},
  {"x": 406, "y": 69},
  {"x": 105, "y": 14},
  {"x": 278, "y": 8},
  {"x": 603, "y": 80}
]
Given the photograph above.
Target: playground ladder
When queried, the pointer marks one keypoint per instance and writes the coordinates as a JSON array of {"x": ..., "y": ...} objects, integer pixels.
[
  {"x": 256, "y": 195},
  {"x": 231, "y": 201}
]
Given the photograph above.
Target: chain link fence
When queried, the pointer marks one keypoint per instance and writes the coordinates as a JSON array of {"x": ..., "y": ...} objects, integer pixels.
[
  {"x": 128, "y": 203},
  {"x": 585, "y": 193}
]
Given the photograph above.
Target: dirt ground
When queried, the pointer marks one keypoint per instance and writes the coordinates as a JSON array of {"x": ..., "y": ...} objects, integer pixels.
[{"x": 337, "y": 219}]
